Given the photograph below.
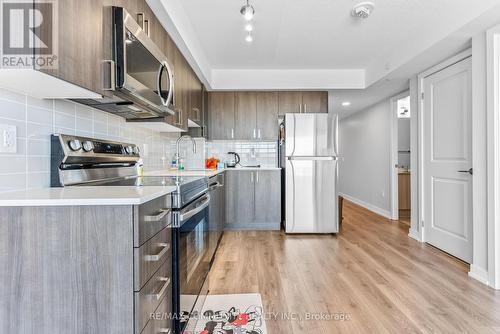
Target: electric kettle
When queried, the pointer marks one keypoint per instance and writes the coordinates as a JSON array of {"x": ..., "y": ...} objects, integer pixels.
[{"x": 233, "y": 162}]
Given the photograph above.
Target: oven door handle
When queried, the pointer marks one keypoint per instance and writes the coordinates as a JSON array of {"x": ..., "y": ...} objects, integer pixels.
[
  {"x": 200, "y": 207},
  {"x": 214, "y": 186}
]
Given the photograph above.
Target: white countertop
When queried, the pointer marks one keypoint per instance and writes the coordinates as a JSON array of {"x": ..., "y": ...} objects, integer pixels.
[
  {"x": 253, "y": 168},
  {"x": 175, "y": 172},
  {"x": 203, "y": 172},
  {"x": 83, "y": 196}
]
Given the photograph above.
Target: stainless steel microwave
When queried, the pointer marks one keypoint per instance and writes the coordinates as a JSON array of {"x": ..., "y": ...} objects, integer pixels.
[
  {"x": 142, "y": 70},
  {"x": 138, "y": 78}
]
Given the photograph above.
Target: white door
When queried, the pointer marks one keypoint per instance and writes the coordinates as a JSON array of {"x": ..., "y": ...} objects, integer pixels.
[{"x": 447, "y": 155}]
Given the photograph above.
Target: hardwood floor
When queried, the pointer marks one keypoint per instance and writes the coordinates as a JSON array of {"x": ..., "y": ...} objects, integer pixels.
[{"x": 371, "y": 272}]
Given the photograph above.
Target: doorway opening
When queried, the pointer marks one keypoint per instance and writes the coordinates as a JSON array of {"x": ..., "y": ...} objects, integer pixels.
[{"x": 401, "y": 157}]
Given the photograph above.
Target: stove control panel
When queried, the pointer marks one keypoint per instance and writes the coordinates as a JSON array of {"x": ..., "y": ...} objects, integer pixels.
[{"x": 75, "y": 146}]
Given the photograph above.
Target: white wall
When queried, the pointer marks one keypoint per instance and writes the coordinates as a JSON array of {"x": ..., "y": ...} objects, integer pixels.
[
  {"x": 365, "y": 145},
  {"x": 36, "y": 120}
]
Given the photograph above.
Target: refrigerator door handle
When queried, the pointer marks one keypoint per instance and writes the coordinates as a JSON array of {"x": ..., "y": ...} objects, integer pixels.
[{"x": 329, "y": 158}]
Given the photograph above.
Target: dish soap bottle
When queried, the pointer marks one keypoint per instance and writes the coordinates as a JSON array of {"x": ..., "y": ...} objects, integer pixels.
[{"x": 181, "y": 164}]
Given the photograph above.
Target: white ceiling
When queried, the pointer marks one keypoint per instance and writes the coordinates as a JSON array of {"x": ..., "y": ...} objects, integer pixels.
[{"x": 321, "y": 34}]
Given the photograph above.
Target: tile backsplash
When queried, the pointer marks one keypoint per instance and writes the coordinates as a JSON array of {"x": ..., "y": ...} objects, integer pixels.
[
  {"x": 36, "y": 119},
  {"x": 252, "y": 153}
]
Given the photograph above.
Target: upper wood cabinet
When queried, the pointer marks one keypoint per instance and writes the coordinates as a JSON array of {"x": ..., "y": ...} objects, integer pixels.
[
  {"x": 303, "y": 102},
  {"x": 290, "y": 102},
  {"x": 80, "y": 42},
  {"x": 221, "y": 115},
  {"x": 267, "y": 115},
  {"x": 246, "y": 116},
  {"x": 315, "y": 102}
]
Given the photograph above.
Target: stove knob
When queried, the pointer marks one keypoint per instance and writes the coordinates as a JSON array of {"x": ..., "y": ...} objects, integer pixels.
[
  {"x": 136, "y": 150},
  {"x": 128, "y": 149},
  {"x": 88, "y": 146},
  {"x": 75, "y": 145}
]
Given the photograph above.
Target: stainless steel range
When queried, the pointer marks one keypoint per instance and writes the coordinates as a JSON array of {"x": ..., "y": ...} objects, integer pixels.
[{"x": 80, "y": 161}]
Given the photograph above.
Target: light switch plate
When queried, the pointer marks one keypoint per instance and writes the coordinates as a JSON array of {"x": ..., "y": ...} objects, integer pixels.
[{"x": 8, "y": 138}]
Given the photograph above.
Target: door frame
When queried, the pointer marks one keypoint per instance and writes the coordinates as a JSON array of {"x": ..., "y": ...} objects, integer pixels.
[
  {"x": 493, "y": 155},
  {"x": 421, "y": 171},
  {"x": 394, "y": 153}
]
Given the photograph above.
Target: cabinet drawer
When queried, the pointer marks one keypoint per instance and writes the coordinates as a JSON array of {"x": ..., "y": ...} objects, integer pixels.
[
  {"x": 151, "y": 218},
  {"x": 149, "y": 257},
  {"x": 161, "y": 322},
  {"x": 158, "y": 288}
]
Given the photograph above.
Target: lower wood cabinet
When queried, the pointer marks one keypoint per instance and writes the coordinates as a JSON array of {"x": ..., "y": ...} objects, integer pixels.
[
  {"x": 253, "y": 200},
  {"x": 78, "y": 269}
]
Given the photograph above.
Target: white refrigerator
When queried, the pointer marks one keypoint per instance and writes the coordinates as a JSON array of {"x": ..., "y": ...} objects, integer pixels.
[{"x": 309, "y": 154}]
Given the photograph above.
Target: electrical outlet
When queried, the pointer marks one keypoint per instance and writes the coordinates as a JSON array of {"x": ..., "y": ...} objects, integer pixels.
[{"x": 8, "y": 140}]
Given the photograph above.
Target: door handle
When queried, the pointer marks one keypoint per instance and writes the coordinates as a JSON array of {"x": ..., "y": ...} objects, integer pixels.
[
  {"x": 159, "y": 216},
  {"x": 470, "y": 171},
  {"x": 156, "y": 257}
]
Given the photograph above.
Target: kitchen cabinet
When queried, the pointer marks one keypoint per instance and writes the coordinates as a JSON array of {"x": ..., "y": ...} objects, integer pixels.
[
  {"x": 267, "y": 197},
  {"x": 196, "y": 92},
  {"x": 315, "y": 102},
  {"x": 216, "y": 211},
  {"x": 303, "y": 102},
  {"x": 221, "y": 115},
  {"x": 290, "y": 102},
  {"x": 267, "y": 115},
  {"x": 253, "y": 199},
  {"x": 99, "y": 269},
  {"x": 246, "y": 116},
  {"x": 202, "y": 131},
  {"x": 80, "y": 42}
]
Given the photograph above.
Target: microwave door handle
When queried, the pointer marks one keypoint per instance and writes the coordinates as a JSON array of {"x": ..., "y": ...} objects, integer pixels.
[
  {"x": 166, "y": 101},
  {"x": 170, "y": 85}
]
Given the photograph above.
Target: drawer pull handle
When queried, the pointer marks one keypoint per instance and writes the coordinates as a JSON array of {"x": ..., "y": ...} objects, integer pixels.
[
  {"x": 161, "y": 214},
  {"x": 157, "y": 257},
  {"x": 160, "y": 293},
  {"x": 164, "y": 330}
]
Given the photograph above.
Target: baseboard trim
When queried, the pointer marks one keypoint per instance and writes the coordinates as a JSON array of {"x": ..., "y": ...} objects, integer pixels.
[
  {"x": 414, "y": 235},
  {"x": 479, "y": 274},
  {"x": 368, "y": 206}
]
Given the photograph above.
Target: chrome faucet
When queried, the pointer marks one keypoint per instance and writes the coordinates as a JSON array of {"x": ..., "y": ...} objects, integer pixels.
[{"x": 177, "y": 156}]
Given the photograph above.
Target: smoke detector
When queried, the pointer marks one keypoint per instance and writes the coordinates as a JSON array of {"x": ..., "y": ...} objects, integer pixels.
[{"x": 363, "y": 10}]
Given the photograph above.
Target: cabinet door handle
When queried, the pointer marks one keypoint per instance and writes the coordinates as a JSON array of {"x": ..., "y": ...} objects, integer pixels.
[
  {"x": 112, "y": 75},
  {"x": 258, "y": 133},
  {"x": 300, "y": 108},
  {"x": 305, "y": 108},
  {"x": 254, "y": 133},
  {"x": 157, "y": 257},
  {"x": 251, "y": 177},
  {"x": 164, "y": 330},
  {"x": 146, "y": 27},
  {"x": 154, "y": 218},
  {"x": 257, "y": 173},
  {"x": 160, "y": 293},
  {"x": 232, "y": 133}
]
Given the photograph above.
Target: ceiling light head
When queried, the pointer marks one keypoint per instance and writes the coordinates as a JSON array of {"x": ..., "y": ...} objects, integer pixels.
[
  {"x": 346, "y": 104},
  {"x": 249, "y": 38},
  {"x": 363, "y": 10},
  {"x": 248, "y": 27},
  {"x": 247, "y": 11}
]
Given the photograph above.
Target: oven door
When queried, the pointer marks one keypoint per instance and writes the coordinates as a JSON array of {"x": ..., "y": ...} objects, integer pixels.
[
  {"x": 142, "y": 70},
  {"x": 191, "y": 260}
]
